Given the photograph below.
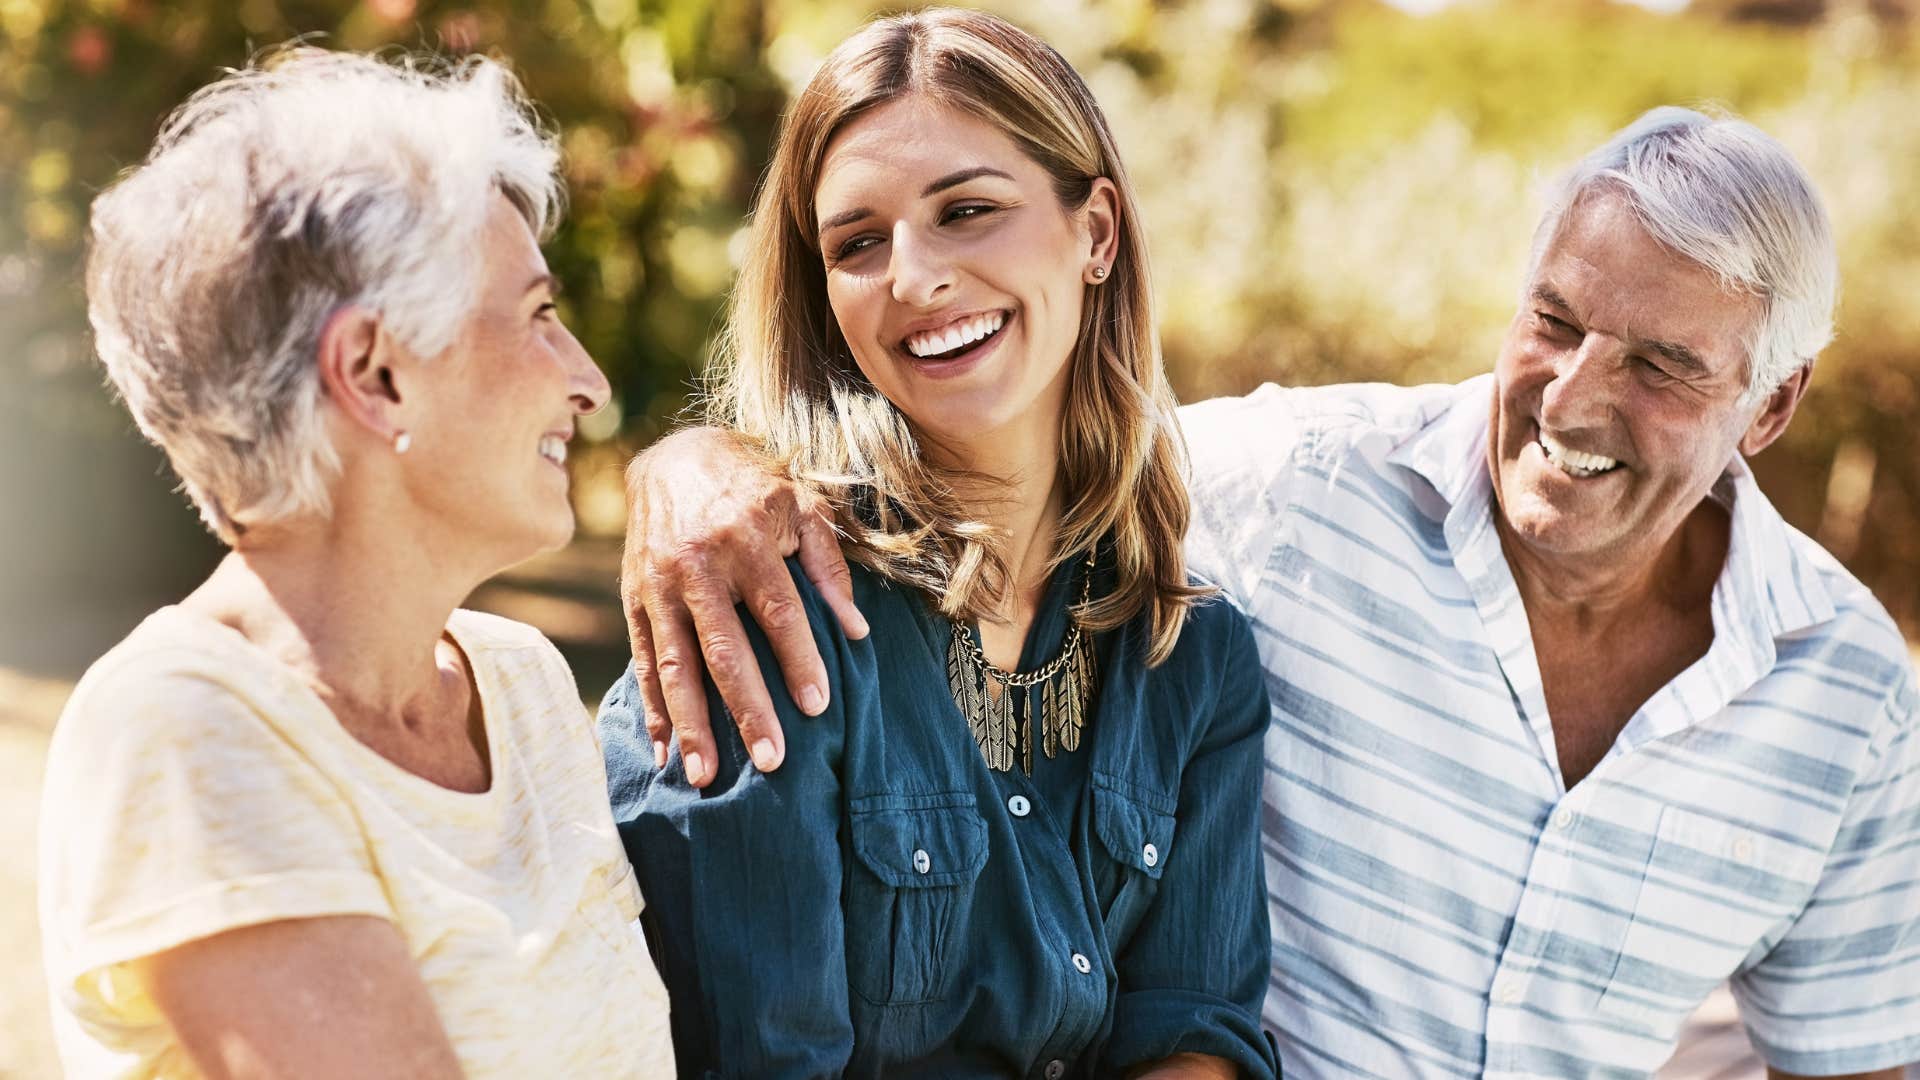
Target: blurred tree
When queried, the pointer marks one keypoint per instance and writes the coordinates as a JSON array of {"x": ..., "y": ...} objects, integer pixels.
[{"x": 1334, "y": 190}]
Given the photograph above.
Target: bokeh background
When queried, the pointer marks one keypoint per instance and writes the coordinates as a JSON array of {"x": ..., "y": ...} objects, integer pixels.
[{"x": 1334, "y": 190}]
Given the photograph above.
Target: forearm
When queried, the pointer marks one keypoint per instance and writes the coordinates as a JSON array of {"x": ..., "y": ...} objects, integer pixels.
[
  {"x": 1896, "y": 1073},
  {"x": 1186, "y": 1067}
]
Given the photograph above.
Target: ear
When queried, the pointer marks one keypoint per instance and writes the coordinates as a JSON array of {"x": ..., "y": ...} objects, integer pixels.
[
  {"x": 356, "y": 370},
  {"x": 1773, "y": 417},
  {"x": 1100, "y": 219}
]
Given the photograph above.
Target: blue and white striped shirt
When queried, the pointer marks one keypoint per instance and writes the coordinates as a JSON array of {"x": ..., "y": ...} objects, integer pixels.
[{"x": 1441, "y": 904}]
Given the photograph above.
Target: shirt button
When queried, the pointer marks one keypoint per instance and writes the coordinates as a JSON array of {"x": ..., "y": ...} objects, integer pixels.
[
  {"x": 1056, "y": 1069},
  {"x": 1743, "y": 848},
  {"x": 1018, "y": 806},
  {"x": 1508, "y": 990},
  {"x": 922, "y": 861},
  {"x": 1563, "y": 818},
  {"x": 1150, "y": 855},
  {"x": 1081, "y": 964}
]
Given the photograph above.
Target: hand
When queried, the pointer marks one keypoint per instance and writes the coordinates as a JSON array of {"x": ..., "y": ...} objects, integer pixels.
[{"x": 707, "y": 528}]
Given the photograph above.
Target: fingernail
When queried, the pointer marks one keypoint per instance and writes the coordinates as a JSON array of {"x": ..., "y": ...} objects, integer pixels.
[
  {"x": 812, "y": 700},
  {"x": 659, "y": 754},
  {"x": 764, "y": 757},
  {"x": 860, "y": 621},
  {"x": 696, "y": 769}
]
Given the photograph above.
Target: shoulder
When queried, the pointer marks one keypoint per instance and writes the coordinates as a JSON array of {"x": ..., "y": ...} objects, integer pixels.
[
  {"x": 495, "y": 636},
  {"x": 1860, "y": 644},
  {"x": 1274, "y": 417},
  {"x": 178, "y": 680},
  {"x": 1216, "y": 625},
  {"x": 1216, "y": 659},
  {"x": 512, "y": 652}
]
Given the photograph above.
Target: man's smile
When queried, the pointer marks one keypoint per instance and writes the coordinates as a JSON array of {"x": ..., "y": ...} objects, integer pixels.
[{"x": 1579, "y": 464}]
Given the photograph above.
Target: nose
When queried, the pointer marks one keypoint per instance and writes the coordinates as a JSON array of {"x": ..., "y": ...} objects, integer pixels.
[
  {"x": 587, "y": 385},
  {"x": 919, "y": 274},
  {"x": 1580, "y": 394}
]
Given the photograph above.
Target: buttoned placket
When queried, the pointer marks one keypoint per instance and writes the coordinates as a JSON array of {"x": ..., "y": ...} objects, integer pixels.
[
  {"x": 1075, "y": 963},
  {"x": 1507, "y": 994}
]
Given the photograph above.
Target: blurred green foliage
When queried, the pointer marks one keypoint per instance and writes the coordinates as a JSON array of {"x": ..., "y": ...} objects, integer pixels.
[{"x": 1334, "y": 190}]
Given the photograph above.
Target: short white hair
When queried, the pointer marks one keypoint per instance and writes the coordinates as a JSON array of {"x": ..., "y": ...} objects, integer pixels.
[
  {"x": 1723, "y": 194},
  {"x": 310, "y": 180}
]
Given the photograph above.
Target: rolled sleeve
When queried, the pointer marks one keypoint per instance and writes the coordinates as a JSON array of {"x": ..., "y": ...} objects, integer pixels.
[
  {"x": 1194, "y": 976},
  {"x": 1840, "y": 993}
]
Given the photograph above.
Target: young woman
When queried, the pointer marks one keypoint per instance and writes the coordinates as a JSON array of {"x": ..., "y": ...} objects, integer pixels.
[
  {"x": 1022, "y": 839},
  {"x": 313, "y": 820}
]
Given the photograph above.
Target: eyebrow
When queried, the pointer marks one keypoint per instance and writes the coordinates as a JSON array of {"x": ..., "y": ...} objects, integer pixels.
[
  {"x": 552, "y": 283},
  {"x": 1679, "y": 354},
  {"x": 951, "y": 180},
  {"x": 1676, "y": 353}
]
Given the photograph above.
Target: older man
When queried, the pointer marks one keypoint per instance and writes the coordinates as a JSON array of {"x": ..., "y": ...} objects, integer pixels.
[{"x": 1569, "y": 726}]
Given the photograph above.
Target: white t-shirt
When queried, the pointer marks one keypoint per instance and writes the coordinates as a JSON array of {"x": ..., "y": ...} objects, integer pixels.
[{"x": 196, "y": 785}]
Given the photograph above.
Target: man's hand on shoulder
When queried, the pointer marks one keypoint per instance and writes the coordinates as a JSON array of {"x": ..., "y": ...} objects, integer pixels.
[{"x": 708, "y": 527}]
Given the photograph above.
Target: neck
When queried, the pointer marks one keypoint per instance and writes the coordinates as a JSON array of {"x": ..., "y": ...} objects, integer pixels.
[
  {"x": 1020, "y": 499},
  {"x": 356, "y": 604},
  {"x": 1598, "y": 594}
]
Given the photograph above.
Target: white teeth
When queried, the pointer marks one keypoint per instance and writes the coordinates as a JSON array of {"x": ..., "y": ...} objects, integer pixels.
[
  {"x": 554, "y": 449},
  {"x": 951, "y": 337},
  {"x": 1574, "y": 462}
]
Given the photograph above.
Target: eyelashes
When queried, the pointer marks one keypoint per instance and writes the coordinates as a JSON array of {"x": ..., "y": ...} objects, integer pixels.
[{"x": 953, "y": 215}]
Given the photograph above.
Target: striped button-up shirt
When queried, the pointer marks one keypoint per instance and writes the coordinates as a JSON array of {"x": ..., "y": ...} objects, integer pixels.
[{"x": 1442, "y": 904}]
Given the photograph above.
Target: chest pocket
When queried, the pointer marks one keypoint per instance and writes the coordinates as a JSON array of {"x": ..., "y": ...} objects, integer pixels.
[
  {"x": 1135, "y": 834},
  {"x": 1713, "y": 894},
  {"x": 911, "y": 896}
]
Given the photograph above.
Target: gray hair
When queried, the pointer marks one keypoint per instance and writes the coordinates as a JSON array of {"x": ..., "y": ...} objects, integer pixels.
[
  {"x": 271, "y": 198},
  {"x": 1723, "y": 194}
]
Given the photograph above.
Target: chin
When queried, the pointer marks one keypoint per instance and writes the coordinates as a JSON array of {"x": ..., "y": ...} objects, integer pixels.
[{"x": 560, "y": 534}]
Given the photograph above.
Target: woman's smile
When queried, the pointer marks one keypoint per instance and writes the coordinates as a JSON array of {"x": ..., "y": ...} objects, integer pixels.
[{"x": 956, "y": 346}]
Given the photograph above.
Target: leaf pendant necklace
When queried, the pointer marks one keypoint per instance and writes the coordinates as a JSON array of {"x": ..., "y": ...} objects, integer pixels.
[{"x": 1059, "y": 693}]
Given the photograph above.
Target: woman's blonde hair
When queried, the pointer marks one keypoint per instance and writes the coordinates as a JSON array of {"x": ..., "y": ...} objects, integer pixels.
[{"x": 785, "y": 378}]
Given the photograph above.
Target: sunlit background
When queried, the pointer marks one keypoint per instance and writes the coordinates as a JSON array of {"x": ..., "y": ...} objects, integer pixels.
[{"x": 1335, "y": 190}]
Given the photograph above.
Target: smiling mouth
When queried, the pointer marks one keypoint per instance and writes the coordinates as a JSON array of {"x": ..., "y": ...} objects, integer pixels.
[
  {"x": 1575, "y": 463},
  {"x": 955, "y": 339},
  {"x": 554, "y": 449}
]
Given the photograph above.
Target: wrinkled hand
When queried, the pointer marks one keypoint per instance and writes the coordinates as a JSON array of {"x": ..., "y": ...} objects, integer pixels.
[{"x": 708, "y": 527}]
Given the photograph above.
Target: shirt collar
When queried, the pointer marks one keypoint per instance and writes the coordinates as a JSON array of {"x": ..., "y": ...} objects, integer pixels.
[{"x": 1776, "y": 588}]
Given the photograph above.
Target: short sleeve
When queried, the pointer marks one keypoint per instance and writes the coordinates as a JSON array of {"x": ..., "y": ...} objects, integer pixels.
[
  {"x": 174, "y": 810},
  {"x": 1240, "y": 452},
  {"x": 1840, "y": 993}
]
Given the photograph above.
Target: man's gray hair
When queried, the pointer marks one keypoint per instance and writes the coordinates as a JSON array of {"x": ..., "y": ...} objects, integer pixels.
[
  {"x": 272, "y": 198},
  {"x": 1722, "y": 193}
]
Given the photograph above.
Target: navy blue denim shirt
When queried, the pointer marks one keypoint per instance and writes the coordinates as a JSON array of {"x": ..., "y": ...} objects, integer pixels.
[{"x": 884, "y": 903}]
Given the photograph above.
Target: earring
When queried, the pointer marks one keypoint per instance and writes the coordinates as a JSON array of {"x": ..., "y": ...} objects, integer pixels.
[
  {"x": 401, "y": 442},
  {"x": 1099, "y": 273}
]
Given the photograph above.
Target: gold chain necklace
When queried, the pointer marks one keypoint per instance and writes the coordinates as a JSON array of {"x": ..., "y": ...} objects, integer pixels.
[{"x": 1060, "y": 691}]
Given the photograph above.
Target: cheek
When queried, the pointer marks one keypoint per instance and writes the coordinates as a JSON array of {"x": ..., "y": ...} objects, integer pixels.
[{"x": 857, "y": 303}]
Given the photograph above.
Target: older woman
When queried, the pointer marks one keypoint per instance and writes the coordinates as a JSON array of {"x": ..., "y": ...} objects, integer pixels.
[
  {"x": 1022, "y": 839},
  {"x": 313, "y": 820}
]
